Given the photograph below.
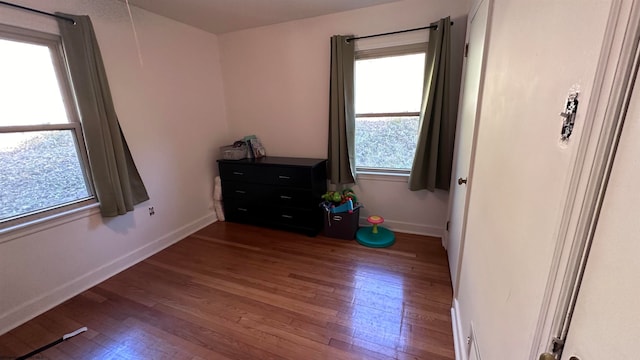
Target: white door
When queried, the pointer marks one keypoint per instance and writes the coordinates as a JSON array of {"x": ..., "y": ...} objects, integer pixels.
[
  {"x": 476, "y": 35},
  {"x": 538, "y": 52},
  {"x": 605, "y": 324}
]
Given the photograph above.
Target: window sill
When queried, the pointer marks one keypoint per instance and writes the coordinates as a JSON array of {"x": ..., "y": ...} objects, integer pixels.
[
  {"x": 38, "y": 225},
  {"x": 383, "y": 176}
]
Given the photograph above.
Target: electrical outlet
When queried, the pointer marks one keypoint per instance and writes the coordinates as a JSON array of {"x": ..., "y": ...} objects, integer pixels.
[{"x": 152, "y": 211}]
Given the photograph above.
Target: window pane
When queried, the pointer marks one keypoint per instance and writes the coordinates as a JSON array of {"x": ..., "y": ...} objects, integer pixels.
[
  {"x": 39, "y": 170},
  {"x": 386, "y": 142},
  {"x": 29, "y": 93},
  {"x": 389, "y": 84}
]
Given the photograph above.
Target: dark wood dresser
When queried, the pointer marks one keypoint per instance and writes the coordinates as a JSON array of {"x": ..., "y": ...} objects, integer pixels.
[{"x": 280, "y": 192}]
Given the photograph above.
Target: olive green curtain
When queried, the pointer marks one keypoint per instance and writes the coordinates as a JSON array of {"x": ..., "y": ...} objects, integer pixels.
[
  {"x": 341, "y": 112},
  {"x": 434, "y": 153},
  {"x": 117, "y": 183}
]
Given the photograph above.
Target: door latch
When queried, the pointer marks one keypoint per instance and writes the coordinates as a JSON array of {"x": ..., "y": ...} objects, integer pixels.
[{"x": 569, "y": 116}]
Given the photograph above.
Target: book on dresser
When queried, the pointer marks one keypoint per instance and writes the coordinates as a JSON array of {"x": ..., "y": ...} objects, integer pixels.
[{"x": 280, "y": 192}]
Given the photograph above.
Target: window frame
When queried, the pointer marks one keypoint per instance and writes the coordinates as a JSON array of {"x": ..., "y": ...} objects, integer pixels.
[
  {"x": 378, "y": 53},
  {"x": 54, "y": 44}
]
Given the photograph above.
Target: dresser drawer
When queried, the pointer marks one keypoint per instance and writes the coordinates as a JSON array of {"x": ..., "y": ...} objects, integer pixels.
[
  {"x": 242, "y": 211},
  {"x": 271, "y": 195},
  {"x": 238, "y": 172},
  {"x": 292, "y": 197},
  {"x": 245, "y": 191},
  {"x": 288, "y": 176},
  {"x": 292, "y": 217}
]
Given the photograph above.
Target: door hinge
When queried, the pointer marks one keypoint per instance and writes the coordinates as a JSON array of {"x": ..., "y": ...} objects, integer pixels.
[
  {"x": 557, "y": 345},
  {"x": 448, "y": 225},
  {"x": 466, "y": 49}
]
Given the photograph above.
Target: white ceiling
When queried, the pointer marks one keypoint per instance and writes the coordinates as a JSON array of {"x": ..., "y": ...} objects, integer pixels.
[{"x": 221, "y": 16}]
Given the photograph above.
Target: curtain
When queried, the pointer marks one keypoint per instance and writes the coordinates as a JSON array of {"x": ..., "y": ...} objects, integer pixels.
[
  {"x": 434, "y": 152},
  {"x": 341, "y": 112},
  {"x": 117, "y": 183}
]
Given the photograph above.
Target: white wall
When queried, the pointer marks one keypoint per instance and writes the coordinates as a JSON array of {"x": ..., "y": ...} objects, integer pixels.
[
  {"x": 276, "y": 82},
  {"x": 171, "y": 110},
  {"x": 521, "y": 171}
]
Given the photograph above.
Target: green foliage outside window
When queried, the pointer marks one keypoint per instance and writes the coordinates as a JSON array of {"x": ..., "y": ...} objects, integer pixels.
[{"x": 386, "y": 142}]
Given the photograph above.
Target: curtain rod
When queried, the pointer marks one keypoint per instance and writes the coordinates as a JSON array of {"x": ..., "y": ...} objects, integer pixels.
[
  {"x": 37, "y": 11},
  {"x": 393, "y": 32}
]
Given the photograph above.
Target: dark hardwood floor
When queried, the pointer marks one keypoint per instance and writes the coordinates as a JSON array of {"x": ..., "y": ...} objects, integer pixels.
[{"x": 232, "y": 291}]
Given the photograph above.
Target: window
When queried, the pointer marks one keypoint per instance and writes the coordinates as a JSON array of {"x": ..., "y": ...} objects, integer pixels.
[
  {"x": 388, "y": 92},
  {"x": 43, "y": 163}
]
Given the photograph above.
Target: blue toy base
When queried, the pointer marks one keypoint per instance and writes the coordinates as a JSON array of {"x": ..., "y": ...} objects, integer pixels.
[{"x": 383, "y": 238}]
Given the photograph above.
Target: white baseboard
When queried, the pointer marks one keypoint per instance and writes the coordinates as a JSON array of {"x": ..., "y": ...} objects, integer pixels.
[
  {"x": 39, "y": 305},
  {"x": 459, "y": 340},
  {"x": 409, "y": 228}
]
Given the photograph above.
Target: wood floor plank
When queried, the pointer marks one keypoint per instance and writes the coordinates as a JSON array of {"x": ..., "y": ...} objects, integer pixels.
[{"x": 233, "y": 291}]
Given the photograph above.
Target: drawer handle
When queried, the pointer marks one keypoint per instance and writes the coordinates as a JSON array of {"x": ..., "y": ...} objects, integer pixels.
[
  {"x": 287, "y": 216},
  {"x": 242, "y": 209},
  {"x": 285, "y": 197},
  {"x": 284, "y": 177},
  {"x": 241, "y": 192},
  {"x": 238, "y": 173}
]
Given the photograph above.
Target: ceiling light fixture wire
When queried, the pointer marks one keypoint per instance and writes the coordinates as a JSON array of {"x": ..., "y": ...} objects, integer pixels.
[{"x": 135, "y": 34}]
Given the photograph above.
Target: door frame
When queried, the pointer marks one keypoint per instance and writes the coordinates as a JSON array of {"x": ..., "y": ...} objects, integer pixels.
[
  {"x": 474, "y": 140},
  {"x": 614, "y": 80}
]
